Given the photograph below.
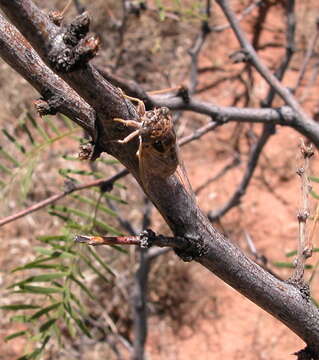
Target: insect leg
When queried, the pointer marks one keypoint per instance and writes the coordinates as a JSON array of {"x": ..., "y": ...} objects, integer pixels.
[
  {"x": 129, "y": 137},
  {"x": 131, "y": 123}
]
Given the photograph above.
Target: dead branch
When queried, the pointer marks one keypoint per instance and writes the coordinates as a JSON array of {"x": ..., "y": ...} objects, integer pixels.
[{"x": 304, "y": 251}]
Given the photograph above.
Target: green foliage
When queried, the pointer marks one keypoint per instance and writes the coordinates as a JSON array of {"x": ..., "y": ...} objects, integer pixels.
[
  {"x": 22, "y": 149},
  {"x": 53, "y": 282},
  {"x": 193, "y": 10}
]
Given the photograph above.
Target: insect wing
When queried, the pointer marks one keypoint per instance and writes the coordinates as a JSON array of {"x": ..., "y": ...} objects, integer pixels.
[{"x": 182, "y": 176}]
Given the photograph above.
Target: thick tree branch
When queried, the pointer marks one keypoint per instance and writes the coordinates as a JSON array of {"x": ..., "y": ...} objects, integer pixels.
[{"x": 18, "y": 53}]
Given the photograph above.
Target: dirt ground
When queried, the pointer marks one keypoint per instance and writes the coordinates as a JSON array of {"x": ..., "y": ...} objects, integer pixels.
[{"x": 226, "y": 324}]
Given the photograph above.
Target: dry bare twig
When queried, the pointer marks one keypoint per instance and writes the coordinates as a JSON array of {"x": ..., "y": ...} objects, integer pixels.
[{"x": 304, "y": 248}]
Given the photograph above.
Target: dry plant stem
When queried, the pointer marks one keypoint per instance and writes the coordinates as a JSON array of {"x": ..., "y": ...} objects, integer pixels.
[
  {"x": 52, "y": 199},
  {"x": 309, "y": 54},
  {"x": 195, "y": 50},
  {"x": 283, "y": 92},
  {"x": 188, "y": 224},
  {"x": 235, "y": 162},
  {"x": 303, "y": 251}
]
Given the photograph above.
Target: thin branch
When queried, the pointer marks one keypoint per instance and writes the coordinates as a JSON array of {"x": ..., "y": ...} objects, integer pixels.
[
  {"x": 240, "y": 17},
  {"x": 261, "y": 259},
  {"x": 196, "y": 48},
  {"x": 283, "y": 92},
  {"x": 104, "y": 183},
  {"x": 147, "y": 239},
  {"x": 235, "y": 162},
  {"x": 241, "y": 190},
  {"x": 309, "y": 54},
  {"x": 304, "y": 252},
  {"x": 125, "y": 224}
]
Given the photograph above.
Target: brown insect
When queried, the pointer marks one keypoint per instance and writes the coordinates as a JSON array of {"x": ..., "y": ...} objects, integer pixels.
[{"x": 158, "y": 152}]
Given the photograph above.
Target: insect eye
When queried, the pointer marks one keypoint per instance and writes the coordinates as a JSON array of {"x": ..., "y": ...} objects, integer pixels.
[{"x": 158, "y": 145}]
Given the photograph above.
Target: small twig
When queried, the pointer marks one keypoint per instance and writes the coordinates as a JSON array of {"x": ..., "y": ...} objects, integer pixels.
[
  {"x": 104, "y": 183},
  {"x": 310, "y": 83},
  {"x": 240, "y": 17},
  {"x": 235, "y": 162},
  {"x": 195, "y": 50},
  {"x": 304, "y": 252},
  {"x": 261, "y": 259},
  {"x": 125, "y": 224},
  {"x": 145, "y": 240},
  {"x": 197, "y": 134},
  {"x": 241, "y": 189},
  {"x": 309, "y": 54}
]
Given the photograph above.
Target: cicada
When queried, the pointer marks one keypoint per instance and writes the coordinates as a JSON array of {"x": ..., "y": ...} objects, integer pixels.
[{"x": 158, "y": 152}]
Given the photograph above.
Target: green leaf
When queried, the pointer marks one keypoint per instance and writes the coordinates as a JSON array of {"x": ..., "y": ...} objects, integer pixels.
[
  {"x": 38, "y": 127},
  {"x": 15, "y": 335},
  {"x": 289, "y": 265},
  {"x": 111, "y": 197},
  {"x": 19, "y": 318},
  {"x": 82, "y": 286},
  {"x": 82, "y": 214},
  {"x": 314, "y": 179},
  {"x": 46, "y": 326},
  {"x": 83, "y": 327},
  {"x": 101, "y": 207},
  {"x": 49, "y": 121},
  {"x": 314, "y": 194},
  {"x": 282, "y": 264},
  {"x": 91, "y": 266},
  {"x": 40, "y": 289},
  {"x": 5, "y": 169},
  {"x": 14, "y": 141},
  {"x": 294, "y": 252},
  {"x": 15, "y": 307},
  {"x": 8, "y": 156},
  {"x": 45, "y": 277},
  {"x": 100, "y": 261},
  {"x": 26, "y": 129},
  {"x": 67, "y": 121},
  {"x": 35, "y": 264},
  {"x": 50, "y": 238}
]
